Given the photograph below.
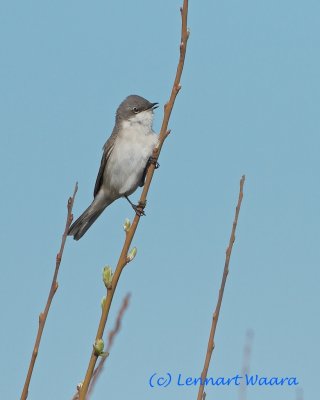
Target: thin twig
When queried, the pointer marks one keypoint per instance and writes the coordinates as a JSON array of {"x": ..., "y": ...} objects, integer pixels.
[
  {"x": 218, "y": 306},
  {"x": 54, "y": 286},
  {"x": 123, "y": 259},
  {"x": 115, "y": 330},
  {"x": 112, "y": 334},
  {"x": 246, "y": 364},
  {"x": 299, "y": 394}
]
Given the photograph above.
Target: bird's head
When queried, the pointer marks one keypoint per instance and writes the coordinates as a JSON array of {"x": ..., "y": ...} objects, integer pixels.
[{"x": 136, "y": 109}]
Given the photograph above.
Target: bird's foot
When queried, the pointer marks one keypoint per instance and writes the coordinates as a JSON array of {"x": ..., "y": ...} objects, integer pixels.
[
  {"x": 153, "y": 160},
  {"x": 139, "y": 208}
]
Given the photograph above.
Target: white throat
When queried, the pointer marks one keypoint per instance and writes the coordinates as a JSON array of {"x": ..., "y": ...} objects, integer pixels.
[{"x": 141, "y": 121}]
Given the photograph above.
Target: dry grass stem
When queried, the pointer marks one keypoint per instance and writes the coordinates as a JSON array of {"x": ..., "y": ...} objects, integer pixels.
[
  {"x": 216, "y": 313},
  {"x": 54, "y": 286}
]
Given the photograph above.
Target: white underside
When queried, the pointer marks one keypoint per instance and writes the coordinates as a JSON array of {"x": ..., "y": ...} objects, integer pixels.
[{"x": 132, "y": 149}]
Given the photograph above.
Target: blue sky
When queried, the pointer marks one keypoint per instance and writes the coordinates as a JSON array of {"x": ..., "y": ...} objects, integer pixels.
[{"x": 249, "y": 104}]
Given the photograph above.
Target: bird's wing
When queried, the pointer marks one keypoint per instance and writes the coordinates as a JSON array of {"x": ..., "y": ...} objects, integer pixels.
[{"x": 107, "y": 150}]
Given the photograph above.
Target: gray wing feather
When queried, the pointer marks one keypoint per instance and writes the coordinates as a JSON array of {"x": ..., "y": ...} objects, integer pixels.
[{"x": 107, "y": 150}]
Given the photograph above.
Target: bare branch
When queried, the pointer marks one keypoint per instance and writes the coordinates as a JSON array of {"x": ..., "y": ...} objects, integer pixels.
[
  {"x": 299, "y": 394},
  {"x": 246, "y": 364},
  {"x": 123, "y": 259},
  {"x": 111, "y": 336},
  {"x": 216, "y": 313},
  {"x": 54, "y": 286}
]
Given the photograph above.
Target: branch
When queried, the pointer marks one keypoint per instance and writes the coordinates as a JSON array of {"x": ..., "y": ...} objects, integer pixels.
[
  {"x": 54, "y": 286},
  {"x": 123, "y": 259},
  {"x": 111, "y": 336},
  {"x": 299, "y": 394},
  {"x": 218, "y": 306},
  {"x": 246, "y": 364}
]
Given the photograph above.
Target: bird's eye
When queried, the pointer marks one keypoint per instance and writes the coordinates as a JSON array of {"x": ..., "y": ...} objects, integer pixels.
[{"x": 135, "y": 110}]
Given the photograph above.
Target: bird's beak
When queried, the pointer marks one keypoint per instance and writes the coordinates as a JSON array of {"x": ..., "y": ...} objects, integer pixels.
[{"x": 153, "y": 106}]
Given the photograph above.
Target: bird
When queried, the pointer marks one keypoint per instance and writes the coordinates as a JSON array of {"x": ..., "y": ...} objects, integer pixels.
[{"x": 126, "y": 156}]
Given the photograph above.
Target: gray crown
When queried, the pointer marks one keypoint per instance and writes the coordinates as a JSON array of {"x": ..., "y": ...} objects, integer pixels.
[{"x": 132, "y": 105}]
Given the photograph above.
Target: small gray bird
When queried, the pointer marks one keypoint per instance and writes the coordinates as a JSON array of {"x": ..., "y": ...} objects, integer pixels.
[{"x": 124, "y": 161}]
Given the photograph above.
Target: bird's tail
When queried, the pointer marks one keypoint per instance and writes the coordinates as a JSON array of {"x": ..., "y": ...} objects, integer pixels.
[{"x": 83, "y": 223}]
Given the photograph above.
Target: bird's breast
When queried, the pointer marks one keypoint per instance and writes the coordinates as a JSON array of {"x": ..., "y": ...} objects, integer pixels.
[{"x": 132, "y": 149}]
